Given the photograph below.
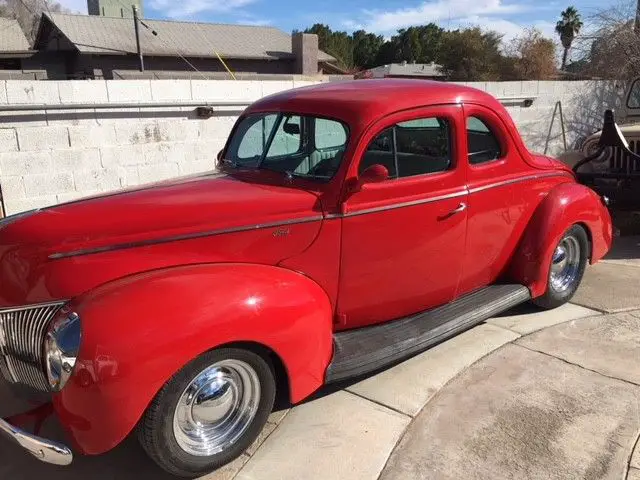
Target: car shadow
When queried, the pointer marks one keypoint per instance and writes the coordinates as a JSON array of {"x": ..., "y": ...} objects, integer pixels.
[
  {"x": 127, "y": 461},
  {"x": 524, "y": 309},
  {"x": 625, "y": 248}
]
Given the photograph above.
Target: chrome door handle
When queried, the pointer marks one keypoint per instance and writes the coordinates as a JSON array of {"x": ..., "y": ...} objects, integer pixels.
[{"x": 461, "y": 208}]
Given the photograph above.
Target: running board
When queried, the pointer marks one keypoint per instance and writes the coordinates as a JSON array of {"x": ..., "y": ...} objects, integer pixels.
[{"x": 368, "y": 349}]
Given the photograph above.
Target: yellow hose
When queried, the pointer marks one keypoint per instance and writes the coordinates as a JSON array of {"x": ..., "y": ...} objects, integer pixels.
[{"x": 225, "y": 65}]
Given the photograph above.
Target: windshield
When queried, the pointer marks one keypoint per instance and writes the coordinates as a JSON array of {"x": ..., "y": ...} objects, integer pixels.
[{"x": 297, "y": 145}]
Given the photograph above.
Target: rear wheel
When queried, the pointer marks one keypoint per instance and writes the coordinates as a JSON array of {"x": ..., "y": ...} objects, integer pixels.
[
  {"x": 209, "y": 413},
  {"x": 568, "y": 264}
]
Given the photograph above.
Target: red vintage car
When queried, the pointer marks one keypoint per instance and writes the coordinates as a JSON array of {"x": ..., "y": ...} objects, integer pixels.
[{"x": 350, "y": 226}]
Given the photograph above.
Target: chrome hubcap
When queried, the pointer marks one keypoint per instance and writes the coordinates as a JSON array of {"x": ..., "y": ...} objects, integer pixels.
[
  {"x": 565, "y": 265},
  {"x": 216, "y": 408}
]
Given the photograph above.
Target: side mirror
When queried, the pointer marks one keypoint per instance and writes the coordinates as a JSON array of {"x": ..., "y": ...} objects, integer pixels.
[{"x": 374, "y": 174}]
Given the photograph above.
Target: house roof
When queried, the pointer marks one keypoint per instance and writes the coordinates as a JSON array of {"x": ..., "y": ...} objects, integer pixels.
[
  {"x": 407, "y": 70},
  {"x": 12, "y": 39},
  {"x": 415, "y": 69},
  {"x": 98, "y": 35}
]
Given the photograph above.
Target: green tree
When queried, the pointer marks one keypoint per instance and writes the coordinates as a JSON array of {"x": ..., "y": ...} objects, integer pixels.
[
  {"x": 336, "y": 44},
  {"x": 471, "y": 55},
  {"x": 323, "y": 32},
  {"x": 365, "y": 48},
  {"x": 568, "y": 27},
  {"x": 389, "y": 52},
  {"x": 419, "y": 44}
]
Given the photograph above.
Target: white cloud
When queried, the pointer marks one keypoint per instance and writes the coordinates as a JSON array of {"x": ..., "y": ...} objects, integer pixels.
[
  {"x": 256, "y": 22},
  {"x": 75, "y": 6},
  {"x": 436, "y": 11},
  {"x": 451, "y": 14},
  {"x": 509, "y": 29},
  {"x": 188, "y": 8}
]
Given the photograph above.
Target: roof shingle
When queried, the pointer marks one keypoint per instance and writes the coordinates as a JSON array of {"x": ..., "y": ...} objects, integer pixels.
[
  {"x": 105, "y": 35},
  {"x": 12, "y": 39}
]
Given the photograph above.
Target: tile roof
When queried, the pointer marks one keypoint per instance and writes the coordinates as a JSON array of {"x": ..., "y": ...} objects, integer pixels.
[
  {"x": 106, "y": 35},
  {"x": 12, "y": 39}
]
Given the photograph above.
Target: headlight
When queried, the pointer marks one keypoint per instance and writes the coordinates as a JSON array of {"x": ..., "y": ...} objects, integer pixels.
[{"x": 61, "y": 347}]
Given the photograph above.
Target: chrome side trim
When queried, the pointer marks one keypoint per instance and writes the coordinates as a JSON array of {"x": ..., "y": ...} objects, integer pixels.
[
  {"x": 212, "y": 233},
  {"x": 406, "y": 204},
  {"x": 44, "y": 450},
  {"x": 446, "y": 197},
  {"x": 518, "y": 180},
  {"x": 189, "y": 236}
]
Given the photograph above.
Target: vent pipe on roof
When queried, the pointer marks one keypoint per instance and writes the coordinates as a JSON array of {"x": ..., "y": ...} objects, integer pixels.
[{"x": 137, "y": 27}]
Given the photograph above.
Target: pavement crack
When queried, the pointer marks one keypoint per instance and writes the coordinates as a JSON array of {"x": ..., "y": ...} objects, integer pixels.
[
  {"x": 388, "y": 407},
  {"x": 636, "y": 445},
  {"x": 590, "y": 307},
  {"x": 629, "y": 382}
]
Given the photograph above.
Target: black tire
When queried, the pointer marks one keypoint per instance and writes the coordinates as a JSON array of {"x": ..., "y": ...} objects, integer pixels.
[
  {"x": 555, "y": 297},
  {"x": 156, "y": 429}
]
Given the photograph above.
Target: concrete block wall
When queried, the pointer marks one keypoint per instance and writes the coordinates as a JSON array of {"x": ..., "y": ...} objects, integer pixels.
[
  {"x": 48, "y": 157},
  {"x": 583, "y": 106}
]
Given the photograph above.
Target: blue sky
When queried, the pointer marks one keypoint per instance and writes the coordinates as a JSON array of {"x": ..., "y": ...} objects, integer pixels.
[{"x": 381, "y": 16}]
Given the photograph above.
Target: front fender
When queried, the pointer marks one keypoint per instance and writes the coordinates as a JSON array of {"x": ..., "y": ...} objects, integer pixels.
[
  {"x": 137, "y": 332},
  {"x": 566, "y": 205}
]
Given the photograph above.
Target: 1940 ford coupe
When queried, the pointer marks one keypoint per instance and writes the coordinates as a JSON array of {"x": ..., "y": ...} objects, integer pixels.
[{"x": 348, "y": 226}]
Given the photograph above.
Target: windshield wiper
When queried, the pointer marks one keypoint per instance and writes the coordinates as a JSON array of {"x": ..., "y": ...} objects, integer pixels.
[{"x": 291, "y": 175}]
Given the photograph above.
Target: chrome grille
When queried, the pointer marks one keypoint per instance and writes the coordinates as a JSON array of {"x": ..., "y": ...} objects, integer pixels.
[
  {"x": 620, "y": 162},
  {"x": 22, "y": 332}
]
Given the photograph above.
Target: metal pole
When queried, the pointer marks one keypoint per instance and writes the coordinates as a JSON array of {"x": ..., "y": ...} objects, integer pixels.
[
  {"x": 553, "y": 117},
  {"x": 564, "y": 131},
  {"x": 135, "y": 22}
]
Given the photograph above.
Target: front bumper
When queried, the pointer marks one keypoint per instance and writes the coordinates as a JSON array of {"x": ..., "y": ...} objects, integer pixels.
[{"x": 44, "y": 450}]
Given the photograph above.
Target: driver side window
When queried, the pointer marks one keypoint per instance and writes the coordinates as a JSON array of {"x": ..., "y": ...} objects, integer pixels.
[
  {"x": 412, "y": 148},
  {"x": 483, "y": 145}
]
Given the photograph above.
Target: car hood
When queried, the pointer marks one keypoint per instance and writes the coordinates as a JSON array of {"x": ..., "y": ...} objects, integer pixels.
[{"x": 181, "y": 207}]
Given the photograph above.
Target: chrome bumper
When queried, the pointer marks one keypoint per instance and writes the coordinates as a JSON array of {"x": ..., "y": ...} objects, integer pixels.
[{"x": 44, "y": 450}]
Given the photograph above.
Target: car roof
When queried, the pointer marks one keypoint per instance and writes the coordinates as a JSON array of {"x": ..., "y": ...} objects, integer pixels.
[{"x": 362, "y": 101}]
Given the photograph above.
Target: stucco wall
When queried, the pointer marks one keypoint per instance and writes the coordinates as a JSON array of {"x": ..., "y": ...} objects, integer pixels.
[{"x": 47, "y": 157}]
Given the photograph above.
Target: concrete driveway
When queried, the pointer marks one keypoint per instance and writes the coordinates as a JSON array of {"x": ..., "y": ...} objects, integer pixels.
[{"x": 549, "y": 395}]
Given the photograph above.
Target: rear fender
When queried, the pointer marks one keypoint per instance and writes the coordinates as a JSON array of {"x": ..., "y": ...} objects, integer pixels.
[
  {"x": 566, "y": 205},
  {"x": 137, "y": 332}
]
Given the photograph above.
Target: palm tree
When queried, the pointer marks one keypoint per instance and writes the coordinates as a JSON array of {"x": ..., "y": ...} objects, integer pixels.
[{"x": 568, "y": 27}]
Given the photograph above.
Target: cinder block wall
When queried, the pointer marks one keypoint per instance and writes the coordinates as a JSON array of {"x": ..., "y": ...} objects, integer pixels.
[
  {"x": 48, "y": 157},
  {"x": 583, "y": 105}
]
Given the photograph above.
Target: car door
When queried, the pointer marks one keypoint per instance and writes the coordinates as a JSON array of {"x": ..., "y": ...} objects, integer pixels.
[
  {"x": 498, "y": 193},
  {"x": 403, "y": 239}
]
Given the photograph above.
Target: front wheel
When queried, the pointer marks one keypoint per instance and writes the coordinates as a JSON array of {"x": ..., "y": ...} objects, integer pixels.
[
  {"x": 568, "y": 264},
  {"x": 209, "y": 413}
]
